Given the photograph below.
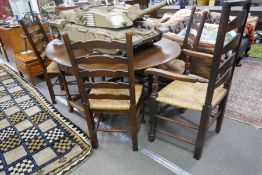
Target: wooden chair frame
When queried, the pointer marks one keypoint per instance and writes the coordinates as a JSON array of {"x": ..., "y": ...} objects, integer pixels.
[
  {"x": 38, "y": 45},
  {"x": 194, "y": 38},
  {"x": 191, "y": 41},
  {"x": 220, "y": 75},
  {"x": 82, "y": 75}
]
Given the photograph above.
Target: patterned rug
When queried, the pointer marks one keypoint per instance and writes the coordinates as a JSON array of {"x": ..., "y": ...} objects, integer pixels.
[
  {"x": 34, "y": 137},
  {"x": 245, "y": 99}
]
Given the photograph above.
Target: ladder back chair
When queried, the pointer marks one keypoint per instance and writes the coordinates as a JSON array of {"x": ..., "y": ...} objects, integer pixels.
[
  {"x": 210, "y": 98},
  {"x": 38, "y": 39},
  {"x": 191, "y": 40},
  {"x": 2, "y": 50},
  {"x": 193, "y": 34},
  {"x": 107, "y": 97}
]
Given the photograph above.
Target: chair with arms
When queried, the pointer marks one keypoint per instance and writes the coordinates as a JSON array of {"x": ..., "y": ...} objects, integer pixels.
[
  {"x": 191, "y": 41},
  {"x": 38, "y": 39},
  {"x": 195, "y": 93},
  {"x": 193, "y": 33},
  {"x": 107, "y": 97}
]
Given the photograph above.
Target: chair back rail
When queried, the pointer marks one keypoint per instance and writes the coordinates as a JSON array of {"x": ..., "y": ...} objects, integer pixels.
[
  {"x": 185, "y": 43},
  {"x": 98, "y": 44},
  {"x": 111, "y": 85},
  {"x": 227, "y": 64},
  {"x": 83, "y": 74},
  {"x": 35, "y": 32},
  {"x": 194, "y": 25},
  {"x": 193, "y": 35},
  {"x": 101, "y": 59},
  {"x": 232, "y": 44},
  {"x": 240, "y": 19},
  {"x": 221, "y": 74},
  {"x": 102, "y": 73}
]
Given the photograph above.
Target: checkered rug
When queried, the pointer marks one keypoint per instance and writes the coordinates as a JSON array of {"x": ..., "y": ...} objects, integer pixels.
[{"x": 34, "y": 137}]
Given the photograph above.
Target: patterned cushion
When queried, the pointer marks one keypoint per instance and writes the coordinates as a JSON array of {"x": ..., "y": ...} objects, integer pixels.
[
  {"x": 209, "y": 34},
  {"x": 179, "y": 20},
  {"x": 214, "y": 18}
]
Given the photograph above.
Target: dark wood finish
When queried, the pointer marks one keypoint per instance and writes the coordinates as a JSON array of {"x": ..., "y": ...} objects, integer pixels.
[
  {"x": 111, "y": 85},
  {"x": 191, "y": 41},
  {"x": 220, "y": 75},
  {"x": 196, "y": 54},
  {"x": 83, "y": 74},
  {"x": 223, "y": 67},
  {"x": 185, "y": 124},
  {"x": 38, "y": 39},
  {"x": 2, "y": 50},
  {"x": 159, "y": 53},
  {"x": 174, "y": 76}
]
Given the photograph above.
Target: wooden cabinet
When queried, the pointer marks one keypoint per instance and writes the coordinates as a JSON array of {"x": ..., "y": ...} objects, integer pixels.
[{"x": 13, "y": 40}]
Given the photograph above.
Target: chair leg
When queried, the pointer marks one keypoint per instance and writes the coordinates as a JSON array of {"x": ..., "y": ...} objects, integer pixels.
[
  {"x": 153, "y": 108},
  {"x": 143, "y": 121},
  {"x": 153, "y": 120},
  {"x": 133, "y": 118},
  {"x": 49, "y": 86},
  {"x": 201, "y": 136},
  {"x": 64, "y": 84},
  {"x": 222, "y": 108},
  {"x": 91, "y": 127},
  {"x": 149, "y": 81},
  {"x": 61, "y": 83}
]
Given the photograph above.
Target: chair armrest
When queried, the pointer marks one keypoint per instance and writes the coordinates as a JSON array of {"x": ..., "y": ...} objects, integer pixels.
[
  {"x": 196, "y": 54},
  {"x": 174, "y": 37},
  {"x": 174, "y": 76}
]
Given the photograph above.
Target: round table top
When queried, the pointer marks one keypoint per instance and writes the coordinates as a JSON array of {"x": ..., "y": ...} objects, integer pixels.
[{"x": 157, "y": 54}]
